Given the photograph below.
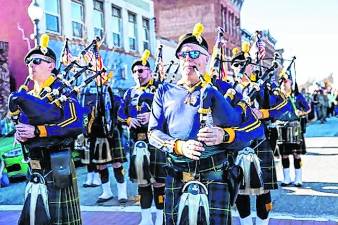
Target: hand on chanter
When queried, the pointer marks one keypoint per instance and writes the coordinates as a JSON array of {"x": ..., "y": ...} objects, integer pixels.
[
  {"x": 24, "y": 132},
  {"x": 257, "y": 112},
  {"x": 134, "y": 123},
  {"x": 192, "y": 149},
  {"x": 143, "y": 118},
  {"x": 211, "y": 135}
]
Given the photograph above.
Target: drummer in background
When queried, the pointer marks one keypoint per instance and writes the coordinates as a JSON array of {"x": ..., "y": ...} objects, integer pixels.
[{"x": 301, "y": 109}]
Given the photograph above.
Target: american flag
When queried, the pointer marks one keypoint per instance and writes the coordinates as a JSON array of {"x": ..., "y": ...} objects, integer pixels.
[
  {"x": 93, "y": 58},
  {"x": 67, "y": 57},
  {"x": 261, "y": 49},
  {"x": 98, "y": 59}
]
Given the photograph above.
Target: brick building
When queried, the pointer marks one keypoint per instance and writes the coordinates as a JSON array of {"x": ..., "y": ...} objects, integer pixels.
[
  {"x": 177, "y": 17},
  {"x": 127, "y": 27}
]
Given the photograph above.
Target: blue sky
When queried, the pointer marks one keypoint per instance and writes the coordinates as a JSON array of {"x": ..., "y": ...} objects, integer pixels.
[{"x": 307, "y": 29}]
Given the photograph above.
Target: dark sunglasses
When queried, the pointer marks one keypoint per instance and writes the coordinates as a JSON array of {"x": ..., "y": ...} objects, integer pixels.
[
  {"x": 192, "y": 54},
  {"x": 36, "y": 61},
  {"x": 139, "y": 70},
  {"x": 237, "y": 65}
]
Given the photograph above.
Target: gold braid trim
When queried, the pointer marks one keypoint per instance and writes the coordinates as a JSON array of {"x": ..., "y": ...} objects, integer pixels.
[{"x": 204, "y": 111}]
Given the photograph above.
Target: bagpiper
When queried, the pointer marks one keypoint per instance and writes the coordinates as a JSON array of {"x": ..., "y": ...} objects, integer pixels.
[
  {"x": 146, "y": 164},
  {"x": 268, "y": 105},
  {"x": 47, "y": 131},
  {"x": 105, "y": 145},
  {"x": 293, "y": 120},
  {"x": 198, "y": 128}
]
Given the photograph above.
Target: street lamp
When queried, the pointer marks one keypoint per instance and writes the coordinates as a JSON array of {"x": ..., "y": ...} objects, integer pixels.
[{"x": 35, "y": 13}]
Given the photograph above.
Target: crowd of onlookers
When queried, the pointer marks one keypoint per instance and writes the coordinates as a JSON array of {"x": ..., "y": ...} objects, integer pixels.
[{"x": 324, "y": 104}]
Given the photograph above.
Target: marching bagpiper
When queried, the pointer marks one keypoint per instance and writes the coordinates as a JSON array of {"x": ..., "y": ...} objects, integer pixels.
[
  {"x": 146, "y": 164},
  {"x": 296, "y": 118},
  {"x": 53, "y": 183},
  {"x": 270, "y": 105},
  {"x": 105, "y": 145},
  {"x": 197, "y": 190}
]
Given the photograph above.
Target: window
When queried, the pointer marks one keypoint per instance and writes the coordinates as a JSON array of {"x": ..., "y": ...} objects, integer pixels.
[
  {"x": 146, "y": 32},
  {"x": 52, "y": 11},
  {"x": 230, "y": 24},
  {"x": 238, "y": 27},
  {"x": 77, "y": 18},
  {"x": 132, "y": 31},
  {"x": 98, "y": 18},
  {"x": 117, "y": 21},
  {"x": 224, "y": 18}
]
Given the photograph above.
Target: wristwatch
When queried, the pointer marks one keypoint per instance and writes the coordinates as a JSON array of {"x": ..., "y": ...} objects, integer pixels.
[
  {"x": 225, "y": 136},
  {"x": 36, "y": 132}
]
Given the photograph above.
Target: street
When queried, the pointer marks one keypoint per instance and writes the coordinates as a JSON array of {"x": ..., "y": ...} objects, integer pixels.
[{"x": 314, "y": 203}]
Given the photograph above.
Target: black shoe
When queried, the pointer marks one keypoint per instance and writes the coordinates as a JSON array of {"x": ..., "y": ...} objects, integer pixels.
[
  {"x": 298, "y": 185},
  {"x": 123, "y": 201},
  {"x": 285, "y": 184},
  {"x": 90, "y": 185},
  {"x": 102, "y": 200}
]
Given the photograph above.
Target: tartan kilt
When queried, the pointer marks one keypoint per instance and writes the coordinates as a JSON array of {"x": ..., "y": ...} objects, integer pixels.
[
  {"x": 265, "y": 154},
  {"x": 288, "y": 149},
  {"x": 64, "y": 204},
  {"x": 157, "y": 163},
  {"x": 116, "y": 148},
  {"x": 118, "y": 152},
  {"x": 219, "y": 201}
]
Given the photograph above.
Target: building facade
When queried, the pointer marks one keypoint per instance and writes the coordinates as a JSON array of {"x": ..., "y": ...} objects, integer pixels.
[
  {"x": 15, "y": 29},
  {"x": 126, "y": 27},
  {"x": 177, "y": 17}
]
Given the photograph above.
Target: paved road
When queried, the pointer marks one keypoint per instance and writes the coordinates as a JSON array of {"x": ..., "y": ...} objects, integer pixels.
[
  {"x": 132, "y": 218},
  {"x": 317, "y": 200}
]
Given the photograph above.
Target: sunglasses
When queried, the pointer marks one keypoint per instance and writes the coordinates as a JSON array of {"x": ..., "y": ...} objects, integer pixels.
[
  {"x": 192, "y": 54},
  {"x": 237, "y": 65},
  {"x": 36, "y": 61},
  {"x": 139, "y": 70}
]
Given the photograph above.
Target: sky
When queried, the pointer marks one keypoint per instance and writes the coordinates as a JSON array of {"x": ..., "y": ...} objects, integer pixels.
[{"x": 307, "y": 29}]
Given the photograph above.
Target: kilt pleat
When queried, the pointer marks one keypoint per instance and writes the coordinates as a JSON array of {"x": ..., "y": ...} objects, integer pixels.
[
  {"x": 118, "y": 152},
  {"x": 157, "y": 164},
  {"x": 219, "y": 204},
  {"x": 288, "y": 149},
  {"x": 116, "y": 149},
  {"x": 267, "y": 163},
  {"x": 64, "y": 204}
]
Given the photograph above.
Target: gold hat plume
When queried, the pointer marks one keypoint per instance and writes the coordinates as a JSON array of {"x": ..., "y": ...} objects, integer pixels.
[
  {"x": 207, "y": 78},
  {"x": 235, "y": 51},
  {"x": 104, "y": 78},
  {"x": 44, "y": 40},
  {"x": 253, "y": 77},
  {"x": 245, "y": 48},
  {"x": 282, "y": 74},
  {"x": 145, "y": 57},
  {"x": 197, "y": 32}
]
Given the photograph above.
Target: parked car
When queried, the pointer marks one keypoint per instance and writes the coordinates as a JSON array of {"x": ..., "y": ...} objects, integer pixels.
[{"x": 12, "y": 157}]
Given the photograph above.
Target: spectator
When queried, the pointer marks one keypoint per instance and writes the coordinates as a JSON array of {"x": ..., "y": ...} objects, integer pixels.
[
  {"x": 315, "y": 104},
  {"x": 331, "y": 99},
  {"x": 322, "y": 106}
]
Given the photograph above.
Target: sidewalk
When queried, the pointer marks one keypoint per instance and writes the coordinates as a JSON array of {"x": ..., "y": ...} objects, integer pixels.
[
  {"x": 322, "y": 142},
  {"x": 327, "y": 129},
  {"x": 133, "y": 218}
]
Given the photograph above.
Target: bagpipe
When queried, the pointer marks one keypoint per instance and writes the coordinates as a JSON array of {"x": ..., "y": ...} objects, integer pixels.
[
  {"x": 47, "y": 106},
  {"x": 213, "y": 104},
  {"x": 145, "y": 98}
]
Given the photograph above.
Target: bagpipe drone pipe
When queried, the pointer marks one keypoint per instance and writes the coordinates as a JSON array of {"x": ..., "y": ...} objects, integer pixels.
[{"x": 46, "y": 107}]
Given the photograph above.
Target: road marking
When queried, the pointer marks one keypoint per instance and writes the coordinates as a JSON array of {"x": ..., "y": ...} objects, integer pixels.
[{"x": 279, "y": 216}]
